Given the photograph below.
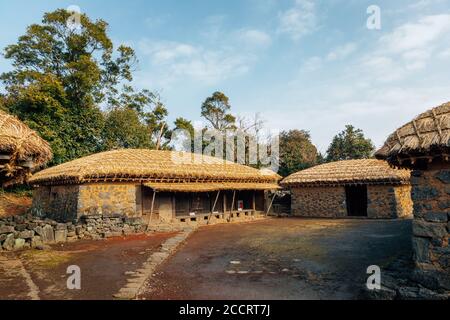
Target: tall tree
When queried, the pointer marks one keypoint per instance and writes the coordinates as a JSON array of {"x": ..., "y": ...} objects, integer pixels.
[
  {"x": 296, "y": 152},
  {"x": 350, "y": 144},
  {"x": 60, "y": 75},
  {"x": 149, "y": 109},
  {"x": 216, "y": 110},
  {"x": 124, "y": 129}
]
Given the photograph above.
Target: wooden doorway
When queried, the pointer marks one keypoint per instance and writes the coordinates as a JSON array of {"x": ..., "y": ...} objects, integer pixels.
[{"x": 356, "y": 199}]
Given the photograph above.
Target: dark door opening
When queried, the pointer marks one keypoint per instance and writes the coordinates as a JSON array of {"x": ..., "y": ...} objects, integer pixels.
[{"x": 356, "y": 199}]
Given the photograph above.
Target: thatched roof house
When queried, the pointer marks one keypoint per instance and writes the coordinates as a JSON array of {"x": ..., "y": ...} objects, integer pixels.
[
  {"x": 21, "y": 150},
  {"x": 171, "y": 185},
  {"x": 424, "y": 138},
  {"x": 424, "y": 145},
  {"x": 365, "y": 188}
]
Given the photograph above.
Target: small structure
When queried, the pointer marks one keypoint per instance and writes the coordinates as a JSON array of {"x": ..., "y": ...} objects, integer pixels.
[
  {"x": 21, "y": 150},
  {"x": 351, "y": 188},
  {"x": 163, "y": 187},
  {"x": 424, "y": 146}
]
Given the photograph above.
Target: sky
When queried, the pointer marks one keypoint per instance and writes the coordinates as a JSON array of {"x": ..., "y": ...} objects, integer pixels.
[{"x": 301, "y": 64}]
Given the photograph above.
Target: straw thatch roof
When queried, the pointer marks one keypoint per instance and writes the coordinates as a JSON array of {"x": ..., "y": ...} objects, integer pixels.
[
  {"x": 208, "y": 187},
  {"x": 425, "y": 137},
  {"x": 21, "y": 150},
  {"x": 142, "y": 165},
  {"x": 348, "y": 172}
]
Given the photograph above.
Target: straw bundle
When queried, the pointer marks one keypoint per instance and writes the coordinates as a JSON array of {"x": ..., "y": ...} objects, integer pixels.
[
  {"x": 348, "y": 172},
  {"x": 142, "y": 165},
  {"x": 21, "y": 150},
  {"x": 426, "y": 137}
]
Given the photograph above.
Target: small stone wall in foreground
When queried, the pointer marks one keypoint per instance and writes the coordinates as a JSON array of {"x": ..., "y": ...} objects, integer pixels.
[{"x": 22, "y": 232}]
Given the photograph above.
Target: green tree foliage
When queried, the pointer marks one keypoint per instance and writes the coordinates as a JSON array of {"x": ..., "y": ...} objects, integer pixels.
[
  {"x": 215, "y": 109},
  {"x": 146, "y": 107},
  {"x": 186, "y": 125},
  {"x": 350, "y": 144},
  {"x": 296, "y": 152},
  {"x": 124, "y": 129},
  {"x": 60, "y": 75}
]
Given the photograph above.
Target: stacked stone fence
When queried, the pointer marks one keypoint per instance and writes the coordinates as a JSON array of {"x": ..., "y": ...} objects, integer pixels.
[{"x": 28, "y": 231}]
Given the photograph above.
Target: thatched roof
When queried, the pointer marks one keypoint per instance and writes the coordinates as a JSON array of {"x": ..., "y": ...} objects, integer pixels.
[
  {"x": 142, "y": 165},
  {"x": 209, "y": 186},
  {"x": 425, "y": 137},
  {"x": 348, "y": 172},
  {"x": 21, "y": 150}
]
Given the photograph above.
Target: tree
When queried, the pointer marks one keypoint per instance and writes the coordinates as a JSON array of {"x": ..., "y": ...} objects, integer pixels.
[
  {"x": 215, "y": 109},
  {"x": 124, "y": 129},
  {"x": 296, "y": 152},
  {"x": 350, "y": 144},
  {"x": 150, "y": 111},
  {"x": 60, "y": 75}
]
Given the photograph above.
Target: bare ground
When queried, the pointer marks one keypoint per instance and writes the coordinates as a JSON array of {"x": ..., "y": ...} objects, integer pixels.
[{"x": 282, "y": 259}]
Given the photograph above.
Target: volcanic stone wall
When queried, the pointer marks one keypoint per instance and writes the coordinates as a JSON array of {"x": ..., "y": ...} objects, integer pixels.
[
  {"x": 70, "y": 202},
  {"x": 323, "y": 202},
  {"x": 384, "y": 202},
  {"x": 389, "y": 202},
  {"x": 431, "y": 227}
]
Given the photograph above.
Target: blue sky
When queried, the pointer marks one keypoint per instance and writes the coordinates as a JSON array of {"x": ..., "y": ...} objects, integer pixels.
[{"x": 305, "y": 64}]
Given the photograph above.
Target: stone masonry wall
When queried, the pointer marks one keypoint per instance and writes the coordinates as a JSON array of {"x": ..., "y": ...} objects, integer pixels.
[
  {"x": 384, "y": 202},
  {"x": 27, "y": 231},
  {"x": 404, "y": 201},
  {"x": 389, "y": 202},
  {"x": 431, "y": 227},
  {"x": 318, "y": 202},
  {"x": 56, "y": 202},
  {"x": 381, "y": 202},
  {"x": 107, "y": 198}
]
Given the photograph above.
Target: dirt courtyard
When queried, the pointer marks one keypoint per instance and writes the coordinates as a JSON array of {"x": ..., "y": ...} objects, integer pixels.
[
  {"x": 269, "y": 259},
  {"x": 282, "y": 259}
]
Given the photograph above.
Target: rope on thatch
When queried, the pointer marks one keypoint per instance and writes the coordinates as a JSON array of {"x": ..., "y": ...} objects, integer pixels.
[{"x": 425, "y": 137}]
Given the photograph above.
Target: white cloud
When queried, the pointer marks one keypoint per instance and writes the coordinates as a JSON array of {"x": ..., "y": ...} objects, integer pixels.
[
  {"x": 254, "y": 37},
  {"x": 176, "y": 61},
  {"x": 311, "y": 64},
  {"x": 341, "y": 52},
  {"x": 418, "y": 35},
  {"x": 298, "y": 21},
  {"x": 408, "y": 48}
]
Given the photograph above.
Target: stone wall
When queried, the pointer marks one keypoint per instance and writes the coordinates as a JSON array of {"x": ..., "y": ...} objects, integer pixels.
[
  {"x": 404, "y": 201},
  {"x": 22, "y": 232},
  {"x": 431, "y": 226},
  {"x": 384, "y": 202},
  {"x": 389, "y": 202},
  {"x": 107, "y": 198},
  {"x": 70, "y": 202},
  {"x": 323, "y": 202},
  {"x": 56, "y": 202}
]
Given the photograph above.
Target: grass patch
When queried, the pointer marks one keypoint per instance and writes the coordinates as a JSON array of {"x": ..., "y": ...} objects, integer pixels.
[{"x": 46, "y": 259}]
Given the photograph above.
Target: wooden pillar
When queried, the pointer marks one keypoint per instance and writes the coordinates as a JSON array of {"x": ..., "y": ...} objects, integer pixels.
[
  {"x": 151, "y": 208},
  {"x": 254, "y": 201},
  {"x": 214, "y": 206}
]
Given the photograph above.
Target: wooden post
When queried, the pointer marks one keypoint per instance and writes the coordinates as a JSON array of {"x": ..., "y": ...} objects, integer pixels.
[
  {"x": 254, "y": 200},
  {"x": 142, "y": 199},
  {"x": 270, "y": 205},
  {"x": 214, "y": 206},
  {"x": 151, "y": 208},
  {"x": 232, "y": 203}
]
